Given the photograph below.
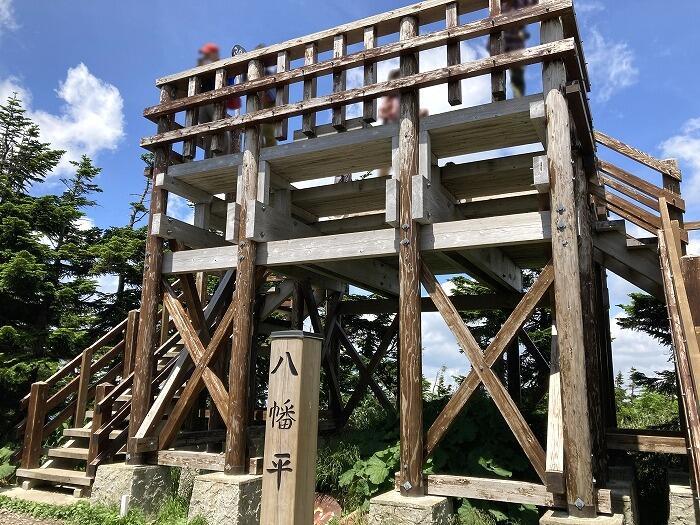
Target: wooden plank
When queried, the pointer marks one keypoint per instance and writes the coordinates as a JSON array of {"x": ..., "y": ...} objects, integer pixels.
[
  {"x": 638, "y": 155},
  {"x": 410, "y": 349},
  {"x": 191, "y": 236},
  {"x": 243, "y": 298},
  {"x": 33, "y": 433},
  {"x": 218, "y": 141},
  {"x": 492, "y": 353},
  {"x": 629, "y": 192},
  {"x": 496, "y": 47},
  {"x": 130, "y": 336},
  {"x": 56, "y": 475},
  {"x": 554, "y": 477},
  {"x": 282, "y": 96},
  {"x": 369, "y": 107},
  {"x": 371, "y": 275},
  {"x": 454, "y": 54},
  {"x": 531, "y": 55},
  {"x": 308, "y": 119},
  {"x": 646, "y": 441},
  {"x": 83, "y": 386},
  {"x": 688, "y": 394},
  {"x": 507, "y": 491},
  {"x": 642, "y": 185},
  {"x": 482, "y": 368},
  {"x": 189, "y": 147},
  {"x": 101, "y": 415},
  {"x": 340, "y": 49},
  {"x": 692, "y": 225},
  {"x": 463, "y": 303}
]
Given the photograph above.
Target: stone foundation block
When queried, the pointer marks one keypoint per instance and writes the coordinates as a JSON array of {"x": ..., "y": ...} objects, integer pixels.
[
  {"x": 394, "y": 509},
  {"x": 555, "y": 517},
  {"x": 683, "y": 509},
  {"x": 624, "y": 494},
  {"x": 147, "y": 486},
  {"x": 233, "y": 500}
]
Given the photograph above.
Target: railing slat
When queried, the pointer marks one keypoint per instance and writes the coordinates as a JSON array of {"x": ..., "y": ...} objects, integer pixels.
[
  {"x": 308, "y": 126},
  {"x": 369, "y": 107},
  {"x": 340, "y": 49}
]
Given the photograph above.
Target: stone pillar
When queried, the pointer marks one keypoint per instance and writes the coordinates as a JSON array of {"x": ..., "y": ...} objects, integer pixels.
[
  {"x": 683, "y": 508},
  {"x": 623, "y": 487},
  {"x": 394, "y": 509},
  {"x": 147, "y": 486},
  {"x": 229, "y": 499}
]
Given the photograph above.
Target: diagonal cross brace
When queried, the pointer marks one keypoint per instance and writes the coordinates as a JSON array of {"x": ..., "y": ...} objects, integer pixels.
[{"x": 481, "y": 367}]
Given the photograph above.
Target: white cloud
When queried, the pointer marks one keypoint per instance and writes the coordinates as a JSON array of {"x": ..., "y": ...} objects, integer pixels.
[
  {"x": 589, "y": 6},
  {"x": 694, "y": 244},
  {"x": 180, "y": 209},
  {"x": 85, "y": 223},
  {"x": 7, "y": 16},
  {"x": 686, "y": 148},
  {"x": 638, "y": 350},
  {"x": 90, "y": 121},
  {"x": 440, "y": 349},
  {"x": 107, "y": 283},
  {"x": 611, "y": 65}
]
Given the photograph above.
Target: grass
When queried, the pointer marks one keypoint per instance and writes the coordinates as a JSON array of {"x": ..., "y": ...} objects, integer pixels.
[{"x": 172, "y": 512}]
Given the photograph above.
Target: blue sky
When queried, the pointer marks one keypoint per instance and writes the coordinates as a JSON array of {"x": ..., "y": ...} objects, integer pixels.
[{"x": 86, "y": 69}]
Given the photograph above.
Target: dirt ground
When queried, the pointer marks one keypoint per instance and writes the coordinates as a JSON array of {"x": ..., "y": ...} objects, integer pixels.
[{"x": 12, "y": 518}]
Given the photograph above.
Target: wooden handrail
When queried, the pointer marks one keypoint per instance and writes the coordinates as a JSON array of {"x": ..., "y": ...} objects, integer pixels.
[
  {"x": 661, "y": 166},
  {"x": 73, "y": 363}
]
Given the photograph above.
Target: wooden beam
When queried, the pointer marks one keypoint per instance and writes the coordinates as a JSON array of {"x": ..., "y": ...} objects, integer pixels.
[
  {"x": 369, "y": 107},
  {"x": 523, "y": 228},
  {"x": 454, "y": 55},
  {"x": 638, "y": 155},
  {"x": 243, "y": 297},
  {"x": 482, "y": 368},
  {"x": 577, "y": 434},
  {"x": 167, "y": 227},
  {"x": 506, "y": 490},
  {"x": 33, "y": 433},
  {"x": 147, "y": 340},
  {"x": 646, "y": 441},
  {"x": 554, "y": 479},
  {"x": 340, "y": 49},
  {"x": 496, "y": 47},
  {"x": 463, "y": 303},
  {"x": 410, "y": 350},
  {"x": 562, "y": 49}
]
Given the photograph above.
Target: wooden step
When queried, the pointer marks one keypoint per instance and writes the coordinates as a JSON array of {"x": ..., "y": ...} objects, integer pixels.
[
  {"x": 56, "y": 475},
  {"x": 69, "y": 453},
  {"x": 85, "y": 433}
]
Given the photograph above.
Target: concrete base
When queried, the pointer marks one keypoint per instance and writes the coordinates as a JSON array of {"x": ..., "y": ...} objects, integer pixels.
[
  {"x": 394, "y": 509},
  {"x": 220, "y": 498},
  {"x": 556, "y": 517},
  {"x": 624, "y": 494},
  {"x": 683, "y": 508},
  {"x": 146, "y": 485}
]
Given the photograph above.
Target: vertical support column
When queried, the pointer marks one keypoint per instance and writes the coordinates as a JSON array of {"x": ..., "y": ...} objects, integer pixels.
[
  {"x": 218, "y": 141},
  {"x": 34, "y": 431},
  {"x": 577, "y": 434},
  {"x": 496, "y": 47},
  {"x": 454, "y": 55},
  {"x": 340, "y": 49},
  {"x": 147, "y": 339},
  {"x": 308, "y": 120},
  {"x": 83, "y": 387},
  {"x": 202, "y": 219},
  {"x": 589, "y": 307},
  {"x": 100, "y": 416},
  {"x": 130, "y": 335},
  {"x": 282, "y": 95},
  {"x": 607, "y": 370},
  {"x": 369, "y": 107},
  {"x": 244, "y": 295},
  {"x": 189, "y": 147},
  {"x": 409, "y": 283}
]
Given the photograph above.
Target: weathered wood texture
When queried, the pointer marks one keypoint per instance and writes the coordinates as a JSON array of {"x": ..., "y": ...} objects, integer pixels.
[
  {"x": 635, "y": 154},
  {"x": 646, "y": 441},
  {"x": 147, "y": 339},
  {"x": 410, "y": 348},
  {"x": 289, "y": 472},
  {"x": 34, "y": 432},
  {"x": 243, "y": 298},
  {"x": 567, "y": 286},
  {"x": 496, "y": 47}
]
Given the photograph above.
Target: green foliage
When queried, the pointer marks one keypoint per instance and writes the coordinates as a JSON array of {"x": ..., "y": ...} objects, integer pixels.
[
  {"x": 173, "y": 512},
  {"x": 646, "y": 314},
  {"x": 7, "y": 470}
]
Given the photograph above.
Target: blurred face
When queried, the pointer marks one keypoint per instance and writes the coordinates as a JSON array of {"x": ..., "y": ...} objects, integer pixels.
[{"x": 207, "y": 58}]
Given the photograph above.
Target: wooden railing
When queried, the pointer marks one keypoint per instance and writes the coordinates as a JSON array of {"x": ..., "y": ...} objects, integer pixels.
[
  {"x": 181, "y": 92},
  {"x": 68, "y": 392},
  {"x": 634, "y": 198}
]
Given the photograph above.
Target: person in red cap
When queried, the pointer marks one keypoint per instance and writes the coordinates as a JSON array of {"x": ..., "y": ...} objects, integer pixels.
[{"x": 208, "y": 54}]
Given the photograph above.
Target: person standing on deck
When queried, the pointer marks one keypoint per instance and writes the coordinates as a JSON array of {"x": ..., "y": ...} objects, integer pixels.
[{"x": 514, "y": 40}]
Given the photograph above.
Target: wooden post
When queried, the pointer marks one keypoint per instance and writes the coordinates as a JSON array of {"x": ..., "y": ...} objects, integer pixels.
[
  {"x": 83, "y": 387},
  {"x": 369, "y": 107},
  {"x": 340, "y": 49},
  {"x": 308, "y": 120},
  {"x": 130, "y": 336},
  {"x": 289, "y": 469},
  {"x": 243, "y": 297},
  {"x": 580, "y": 493},
  {"x": 100, "y": 416},
  {"x": 147, "y": 339},
  {"x": 454, "y": 55},
  {"x": 496, "y": 47},
  {"x": 33, "y": 433},
  {"x": 411, "y": 479}
]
